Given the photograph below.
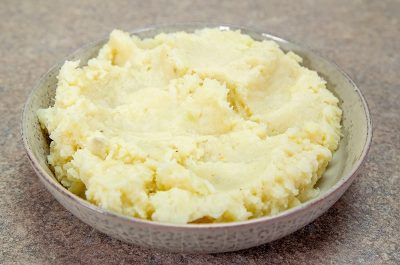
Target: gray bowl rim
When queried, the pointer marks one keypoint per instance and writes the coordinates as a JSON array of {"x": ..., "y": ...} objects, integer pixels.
[{"x": 192, "y": 26}]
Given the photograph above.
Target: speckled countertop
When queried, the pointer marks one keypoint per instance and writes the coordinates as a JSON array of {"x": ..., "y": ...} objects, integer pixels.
[{"x": 363, "y": 37}]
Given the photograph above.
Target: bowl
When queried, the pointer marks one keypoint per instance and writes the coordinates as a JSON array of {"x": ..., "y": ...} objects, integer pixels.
[{"x": 220, "y": 237}]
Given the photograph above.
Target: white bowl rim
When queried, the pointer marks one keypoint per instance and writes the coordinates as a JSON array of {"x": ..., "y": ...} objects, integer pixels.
[{"x": 349, "y": 177}]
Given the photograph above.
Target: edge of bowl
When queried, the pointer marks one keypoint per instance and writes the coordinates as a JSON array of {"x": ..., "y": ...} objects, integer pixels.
[{"x": 344, "y": 180}]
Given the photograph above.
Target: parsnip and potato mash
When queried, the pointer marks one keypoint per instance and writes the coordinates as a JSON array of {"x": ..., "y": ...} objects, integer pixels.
[{"x": 210, "y": 126}]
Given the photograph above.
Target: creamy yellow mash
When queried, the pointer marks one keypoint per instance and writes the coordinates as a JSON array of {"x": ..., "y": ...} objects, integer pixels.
[{"x": 210, "y": 126}]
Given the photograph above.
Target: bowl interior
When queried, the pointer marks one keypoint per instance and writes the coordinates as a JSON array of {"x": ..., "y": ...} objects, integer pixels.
[{"x": 355, "y": 122}]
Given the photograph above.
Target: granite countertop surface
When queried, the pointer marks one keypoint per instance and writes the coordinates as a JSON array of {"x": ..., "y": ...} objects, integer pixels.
[{"x": 362, "y": 36}]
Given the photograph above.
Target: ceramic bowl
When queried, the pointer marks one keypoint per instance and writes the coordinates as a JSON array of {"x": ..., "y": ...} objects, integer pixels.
[{"x": 222, "y": 237}]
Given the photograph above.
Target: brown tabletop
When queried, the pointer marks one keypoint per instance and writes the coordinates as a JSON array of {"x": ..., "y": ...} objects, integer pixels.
[{"x": 362, "y": 36}]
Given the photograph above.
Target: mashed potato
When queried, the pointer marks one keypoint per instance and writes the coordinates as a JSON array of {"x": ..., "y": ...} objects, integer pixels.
[{"x": 211, "y": 126}]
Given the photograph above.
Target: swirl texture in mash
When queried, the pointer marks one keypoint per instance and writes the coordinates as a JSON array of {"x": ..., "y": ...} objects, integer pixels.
[{"x": 210, "y": 126}]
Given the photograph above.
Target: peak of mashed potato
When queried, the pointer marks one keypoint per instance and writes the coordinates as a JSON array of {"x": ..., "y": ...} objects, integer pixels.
[{"x": 210, "y": 126}]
